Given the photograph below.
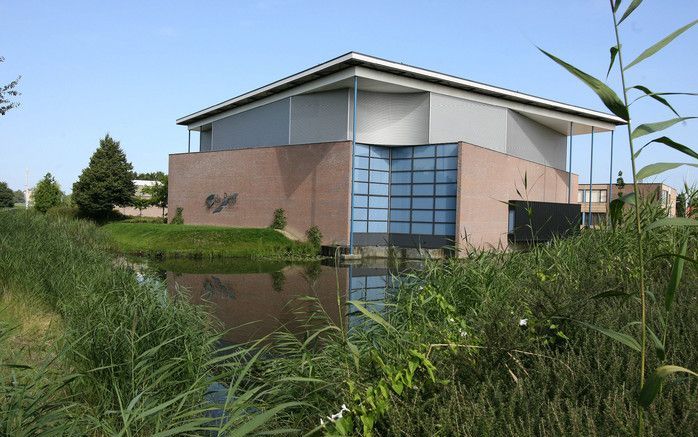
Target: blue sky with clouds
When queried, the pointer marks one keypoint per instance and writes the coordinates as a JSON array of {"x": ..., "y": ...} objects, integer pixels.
[{"x": 132, "y": 68}]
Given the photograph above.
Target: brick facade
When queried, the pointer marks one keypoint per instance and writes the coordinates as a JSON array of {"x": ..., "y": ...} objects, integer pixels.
[{"x": 311, "y": 182}]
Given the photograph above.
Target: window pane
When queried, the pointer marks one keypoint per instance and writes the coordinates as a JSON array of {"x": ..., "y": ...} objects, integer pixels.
[
  {"x": 423, "y": 190},
  {"x": 377, "y": 226},
  {"x": 402, "y": 215},
  {"x": 446, "y": 176},
  {"x": 380, "y": 152},
  {"x": 360, "y": 162},
  {"x": 604, "y": 197},
  {"x": 401, "y": 152},
  {"x": 402, "y": 164},
  {"x": 422, "y": 216},
  {"x": 378, "y": 202},
  {"x": 445, "y": 216},
  {"x": 425, "y": 163},
  {"x": 400, "y": 190},
  {"x": 421, "y": 177},
  {"x": 360, "y": 187},
  {"x": 360, "y": 226},
  {"x": 580, "y": 196},
  {"x": 445, "y": 203},
  {"x": 445, "y": 229},
  {"x": 360, "y": 214},
  {"x": 360, "y": 201},
  {"x": 596, "y": 195},
  {"x": 447, "y": 150},
  {"x": 361, "y": 150},
  {"x": 361, "y": 175},
  {"x": 446, "y": 163},
  {"x": 378, "y": 214},
  {"x": 380, "y": 164},
  {"x": 423, "y": 203},
  {"x": 400, "y": 228},
  {"x": 379, "y": 189},
  {"x": 401, "y": 177},
  {"x": 422, "y": 228},
  {"x": 446, "y": 189},
  {"x": 400, "y": 202},
  {"x": 379, "y": 176},
  {"x": 424, "y": 151}
]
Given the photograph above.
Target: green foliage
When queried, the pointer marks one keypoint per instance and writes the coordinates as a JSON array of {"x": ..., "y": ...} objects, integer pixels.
[
  {"x": 105, "y": 182},
  {"x": 140, "y": 203},
  {"x": 178, "y": 219},
  {"x": 149, "y": 176},
  {"x": 7, "y": 197},
  {"x": 314, "y": 236},
  {"x": 681, "y": 205},
  {"x": 158, "y": 192},
  {"x": 19, "y": 196},
  {"x": 7, "y": 92},
  {"x": 279, "y": 221},
  {"x": 47, "y": 194}
]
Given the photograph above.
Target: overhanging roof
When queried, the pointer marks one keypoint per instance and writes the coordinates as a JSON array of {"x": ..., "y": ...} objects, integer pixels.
[{"x": 352, "y": 59}]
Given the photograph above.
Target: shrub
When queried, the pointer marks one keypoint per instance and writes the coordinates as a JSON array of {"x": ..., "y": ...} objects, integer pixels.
[
  {"x": 7, "y": 197},
  {"x": 279, "y": 221},
  {"x": 47, "y": 194},
  {"x": 178, "y": 219},
  {"x": 314, "y": 236},
  {"x": 67, "y": 212}
]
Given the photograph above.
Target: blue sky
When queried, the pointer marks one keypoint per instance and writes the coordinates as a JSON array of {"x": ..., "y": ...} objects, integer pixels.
[{"x": 132, "y": 68}]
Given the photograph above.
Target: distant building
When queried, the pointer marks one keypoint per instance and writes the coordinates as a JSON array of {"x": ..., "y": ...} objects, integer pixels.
[
  {"x": 600, "y": 196},
  {"x": 151, "y": 211}
]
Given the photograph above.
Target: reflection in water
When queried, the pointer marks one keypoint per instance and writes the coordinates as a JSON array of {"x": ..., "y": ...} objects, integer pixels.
[{"x": 252, "y": 300}]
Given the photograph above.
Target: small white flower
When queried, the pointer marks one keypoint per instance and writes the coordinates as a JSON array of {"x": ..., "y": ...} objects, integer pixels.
[
  {"x": 523, "y": 322},
  {"x": 463, "y": 333},
  {"x": 450, "y": 319},
  {"x": 322, "y": 422}
]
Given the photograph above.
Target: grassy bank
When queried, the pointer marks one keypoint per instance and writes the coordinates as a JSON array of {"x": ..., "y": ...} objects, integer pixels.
[
  {"x": 129, "y": 358},
  {"x": 152, "y": 239}
]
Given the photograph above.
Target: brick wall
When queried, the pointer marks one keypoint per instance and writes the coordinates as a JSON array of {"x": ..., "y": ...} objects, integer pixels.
[{"x": 311, "y": 182}]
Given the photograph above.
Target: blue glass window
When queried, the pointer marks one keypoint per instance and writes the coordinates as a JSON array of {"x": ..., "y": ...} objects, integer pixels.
[
  {"x": 445, "y": 229},
  {"x": 400, "y": 190},
  {"x": 378, "y": 202},
  {"x": 377, "y": 226},
  {"x": 445, "y": 189},
  {"x": 361, "y": 150},
  {"x": 423, "y": 216},
  {"x": 424, "y": 151},
  {"x": 360, "y": 214},
  {"x": 421, "y": 177},
  {"x": 380, "y": 152},
  {"x": 360, "y": 175},
  {"x": 378, "y": 214},
  {"x": 401, "y": 215},
  {"x": 401, "y": 177},
  {"x": 401, "y": 152},
  {"x": 378, "y": 189},
  {"x": 448, "y": 176},
  {"x": 445, "y": 216},
  {"x": 360, "y": 162},
  {"x": 360, "y": 200},
  {"x": 360, "y": 188},
  {"x": 423, "y": 190},
  {"x": 447, "y": 150},
  {"x": 400, "y": 227},
  {"x": 379, "y": 176},
  {"x": 422, "y": 228},
  {"x": 446, "y": 163},
  {"x": 380, "y": 164},
  {"x": 400, "y": 202},
  {"x": 360, "y": 226},
  {"x": 445, "y": 203},
  {"x": 423, "y": 203},
  {"x": 424, "y": 163},
  {"x": 401, "y": 164}
]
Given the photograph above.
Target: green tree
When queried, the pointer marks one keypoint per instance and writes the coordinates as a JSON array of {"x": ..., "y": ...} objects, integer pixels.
[
  {"x": 47, "y": 194},
  {"x": 140, "y": 203},
  {"x": 105, "y": 182},
  {"x": 7, "y": 92},
  {"x": 6, "y": 196},
  {"x": 158, "y": 192},
  {"x": 19, "y": 196},
  {"x": 149, "y": 176},
  {"x": 681, "y": 205}
]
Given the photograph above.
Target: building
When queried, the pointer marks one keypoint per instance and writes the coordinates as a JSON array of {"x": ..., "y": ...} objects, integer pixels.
[
  {"x": 378, "y": 153},
  {"x": 150, "y": 211},
  {"x": 601, "y": 195}
]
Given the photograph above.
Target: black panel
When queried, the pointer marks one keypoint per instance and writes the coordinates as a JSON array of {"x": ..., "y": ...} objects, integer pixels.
[{"x": 541, "y": 221}]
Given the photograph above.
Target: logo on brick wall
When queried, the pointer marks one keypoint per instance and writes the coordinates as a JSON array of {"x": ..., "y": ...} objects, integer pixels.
[{"x": 217, "y": 204}]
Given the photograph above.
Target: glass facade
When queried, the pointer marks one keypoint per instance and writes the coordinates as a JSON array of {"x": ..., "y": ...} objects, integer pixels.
[{"x": 405, "y": 190}]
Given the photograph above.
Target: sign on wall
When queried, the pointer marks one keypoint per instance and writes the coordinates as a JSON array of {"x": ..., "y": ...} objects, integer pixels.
[{"x": 216, "y": 204}]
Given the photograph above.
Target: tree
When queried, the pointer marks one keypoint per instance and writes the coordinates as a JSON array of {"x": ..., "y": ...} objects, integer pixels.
[
  {"x": 19, "y": 196},
  {"x": 158, "y": 192},
  {"x": 106, "y": 182},
  {"x": 6, "y": 196},
  {"x": 681, "y": 205},
  {"x": 140, "y": 203},
  {"x": 8, "y": 91},
  {"x": 148, "y": 176},
  {"x": 47, "y": 194}
]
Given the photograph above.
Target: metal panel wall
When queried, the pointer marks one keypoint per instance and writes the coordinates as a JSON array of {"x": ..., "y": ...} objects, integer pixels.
[
  {"x": 205, "y": 141},
  {"x": 320, "y": 117},
  {"x": 262, "y": 126},
  {"x": 392, "y": 118},
  {"x": 530, "y": 140},
  {"x": 454, "y": 119}
]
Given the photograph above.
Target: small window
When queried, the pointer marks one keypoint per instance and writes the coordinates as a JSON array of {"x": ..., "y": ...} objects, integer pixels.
[{"x": 580, "y": 196}]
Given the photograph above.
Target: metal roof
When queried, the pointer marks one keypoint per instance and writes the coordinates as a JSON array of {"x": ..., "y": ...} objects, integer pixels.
[{"x": 358, "y": 59}]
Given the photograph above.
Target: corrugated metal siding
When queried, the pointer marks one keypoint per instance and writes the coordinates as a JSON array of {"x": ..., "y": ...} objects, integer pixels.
[
  {"x": 205, "y": 141},
  {"x": 319, "y": 117},
  {"x": 392, "y": 118},
  {"x": 265, "y": 125},
  {"x": 530, "y": 140},
  {"x": 454, "y": 119}
]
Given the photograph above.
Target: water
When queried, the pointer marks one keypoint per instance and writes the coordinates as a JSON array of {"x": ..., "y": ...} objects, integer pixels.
[{"x": 252, "y": 299}]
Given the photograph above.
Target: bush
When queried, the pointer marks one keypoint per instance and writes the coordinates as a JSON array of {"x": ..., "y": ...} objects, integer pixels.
[
  {"x": 314, "y": 236},
  {"x": 66, "y": 212},
  {"x": 7, "y": 197},
  {"x": 279, "y": 221},
  {"x": 178, "y": 219},
  {"x": 47, "y": 194}
]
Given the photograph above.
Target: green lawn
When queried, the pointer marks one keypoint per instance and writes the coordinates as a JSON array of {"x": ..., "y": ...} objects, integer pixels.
[{"x": 203, "y": 241}]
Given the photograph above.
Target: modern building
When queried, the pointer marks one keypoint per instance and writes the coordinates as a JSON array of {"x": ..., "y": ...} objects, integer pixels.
[
  {"x": 601, "y": 195},
  {"x": 377, "y": 153}
]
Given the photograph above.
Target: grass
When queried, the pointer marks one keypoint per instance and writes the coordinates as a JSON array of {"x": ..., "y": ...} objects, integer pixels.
[{"x": 195, "y": 241}]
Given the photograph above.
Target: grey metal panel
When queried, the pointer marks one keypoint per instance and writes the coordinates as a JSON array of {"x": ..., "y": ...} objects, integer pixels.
[
  {"x": 205, "y": 141},
  {"x": 392, "y": 118},
  {"x": 262, "y": 126},
  {"x": 453, "y": 119},
  {"x": 530, "y": 140},
  {"x": 319, "y": 117}
]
